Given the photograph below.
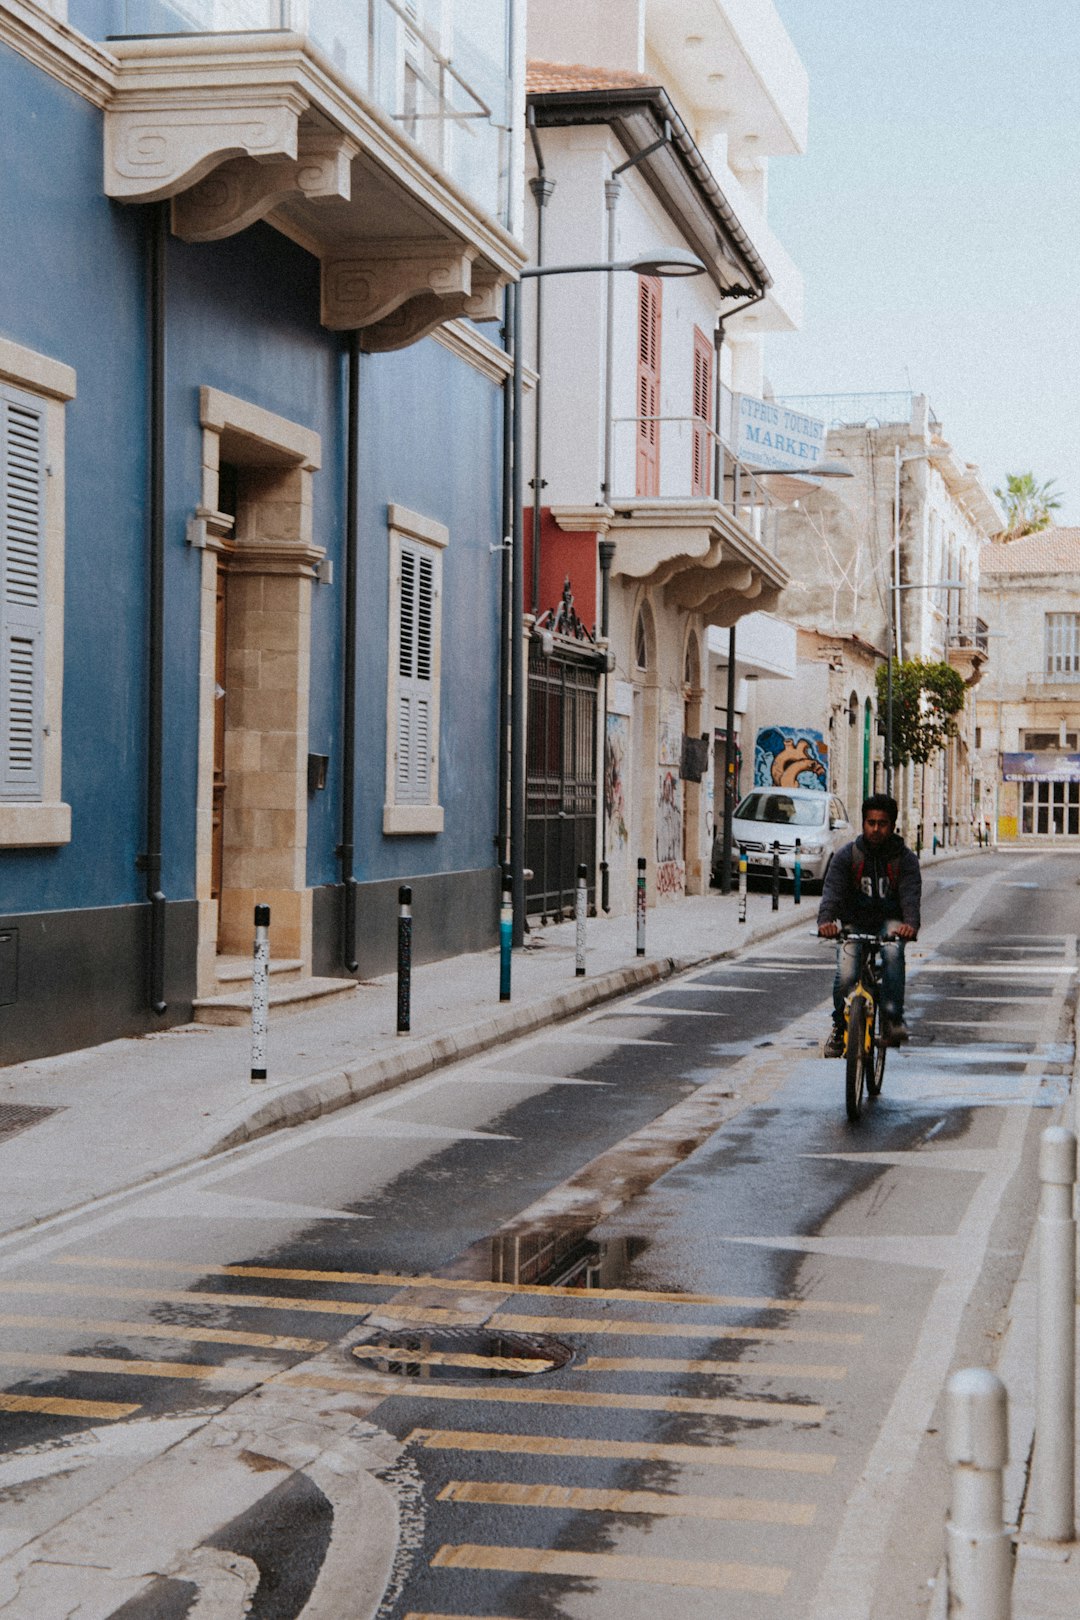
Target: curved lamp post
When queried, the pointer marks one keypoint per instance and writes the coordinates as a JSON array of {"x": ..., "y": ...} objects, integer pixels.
[{"x": 673, "y": 261}]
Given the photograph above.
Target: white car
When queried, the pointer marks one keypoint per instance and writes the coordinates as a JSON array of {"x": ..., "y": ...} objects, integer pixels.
[{"x": 770, "y": 816}]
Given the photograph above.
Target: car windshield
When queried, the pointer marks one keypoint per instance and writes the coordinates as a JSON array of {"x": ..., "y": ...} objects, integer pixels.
[{"x": 783, "y": 808}]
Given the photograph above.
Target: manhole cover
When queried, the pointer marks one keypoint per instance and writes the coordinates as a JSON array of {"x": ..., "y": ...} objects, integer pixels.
[
  {"x": 460, "y": 1354},
  {"x": 16, "y": 1117}
]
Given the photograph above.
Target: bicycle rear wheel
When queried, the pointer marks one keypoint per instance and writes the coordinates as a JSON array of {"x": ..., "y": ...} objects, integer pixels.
[
  {"x": 856, "y": 1057},
  {"x": 875, "y": 1073}
]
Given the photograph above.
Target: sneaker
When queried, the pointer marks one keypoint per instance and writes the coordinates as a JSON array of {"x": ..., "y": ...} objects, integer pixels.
[
  {"x": 896, "y": 1034},
  {"x": 834, "y": 1044}
]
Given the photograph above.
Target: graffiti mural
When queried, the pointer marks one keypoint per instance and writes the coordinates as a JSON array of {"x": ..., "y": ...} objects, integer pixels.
[
  {"x": 616, "y": 747},
  {"x": 669, "y": 866},
  {"x": 791, "y": 756}
]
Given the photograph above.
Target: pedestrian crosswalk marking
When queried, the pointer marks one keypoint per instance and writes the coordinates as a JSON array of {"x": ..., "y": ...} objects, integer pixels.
[
  {"x": 164, "y": 1330},
  {"x": 513, "y": 1395},
  {"x": 114, "y": 1365},
  {"x": 767, "y": 1579},
  {"x": 58, "y": 1406},
  {"x": 470, "y": 1285},
  {"x": 450, "y": 1358},
  {"x": 255, "y": 1302},
  {"x": 738, "y": 1369},
  {"x": 728, "y": 1509},
  {"x": 434, "y": 1314},
  {"x": 663, "y": 1330},
  {"x": 702, "y": 1456}
]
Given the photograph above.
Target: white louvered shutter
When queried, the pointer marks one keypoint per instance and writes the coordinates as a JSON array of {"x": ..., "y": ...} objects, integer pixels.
[
  {"x": 415, "y": 690},
  {"x": 22, "y": 594}
]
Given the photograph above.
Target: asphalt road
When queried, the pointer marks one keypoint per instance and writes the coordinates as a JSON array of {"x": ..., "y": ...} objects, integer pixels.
[{"x": 758, "y": 1305}]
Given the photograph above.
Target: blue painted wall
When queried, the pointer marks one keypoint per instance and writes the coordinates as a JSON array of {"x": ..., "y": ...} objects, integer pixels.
[{"x": 242, "y": 317}]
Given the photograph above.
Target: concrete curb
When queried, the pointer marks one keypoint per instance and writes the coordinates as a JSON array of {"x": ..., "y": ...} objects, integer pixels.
[{"x": 339, "y": 1088}]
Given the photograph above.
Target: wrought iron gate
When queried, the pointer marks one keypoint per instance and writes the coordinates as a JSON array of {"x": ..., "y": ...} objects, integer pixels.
[{"x": 560, "y": 788}]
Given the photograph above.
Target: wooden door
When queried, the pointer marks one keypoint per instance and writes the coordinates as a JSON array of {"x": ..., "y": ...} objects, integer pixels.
[{"x": 220, "y": 667}]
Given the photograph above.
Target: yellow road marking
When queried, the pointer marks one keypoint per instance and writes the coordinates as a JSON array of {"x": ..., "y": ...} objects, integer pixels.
[
  {"x": 447, "y": 1358},
  {"x": 436, "y": 1315},
  {"x": 129, "y": 1369},
  {"x": 56, "y": 1406},
  {"x": 468, "y": 1285},
  {"x": 729, "y": 1509},
  {"x": 548, "y": 1445},
  {"x": 424, "y": 1389},
  {"x": 672, "y": 1364},
  {"x": 257, "y": 1302},
  {"x": 712, "y": 1576},
  {"x": 164, "y": 1330},
  {"x": 661, "y": 1330}
]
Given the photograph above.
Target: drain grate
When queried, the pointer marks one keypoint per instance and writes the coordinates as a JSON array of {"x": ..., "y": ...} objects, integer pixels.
[
  {"x": 16, "y": 1117},
  {"x": 461, "y": 1354}
]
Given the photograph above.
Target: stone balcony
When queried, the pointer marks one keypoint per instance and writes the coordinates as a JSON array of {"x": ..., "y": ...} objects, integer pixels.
[{"x": 237, "y": 127}]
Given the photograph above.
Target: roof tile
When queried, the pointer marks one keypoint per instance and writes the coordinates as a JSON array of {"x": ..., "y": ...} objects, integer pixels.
[
  {"x": 548, "y": 78},
  {"x": 1050, "y": 551}
]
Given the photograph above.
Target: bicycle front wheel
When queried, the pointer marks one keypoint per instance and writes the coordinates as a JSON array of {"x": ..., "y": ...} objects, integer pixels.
[
  {"x": 876, "y": 1068},
  {"x": 856, "y": 1057}
]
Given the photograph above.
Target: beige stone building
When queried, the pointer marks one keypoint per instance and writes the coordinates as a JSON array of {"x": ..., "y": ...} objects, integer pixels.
[
  {"x": 888, "y": 556},
  {"x": 1029, "y": 706}
]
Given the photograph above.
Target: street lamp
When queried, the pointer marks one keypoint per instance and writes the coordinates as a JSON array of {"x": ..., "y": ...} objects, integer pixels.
[{"x": 666, "y": 261}]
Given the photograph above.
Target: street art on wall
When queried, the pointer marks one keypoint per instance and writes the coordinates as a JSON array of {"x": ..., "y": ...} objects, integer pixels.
[
  {"x": 791, "y": 756},
  {"x": 669, "y": 865},
  {"x": 616, "y": 747}
]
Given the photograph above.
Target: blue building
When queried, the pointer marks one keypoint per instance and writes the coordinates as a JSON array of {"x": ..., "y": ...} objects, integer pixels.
[{"x": 252, "y": 391}]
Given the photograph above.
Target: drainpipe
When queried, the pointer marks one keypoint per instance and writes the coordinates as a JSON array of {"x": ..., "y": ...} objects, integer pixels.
[
  {"x": 151, "y": 861},
  {"x": 505, "y": 620},
  {"x": 517, "y": 648},
  {"x": 541, "y": 188},
  {"x": 345, "y": 850}
]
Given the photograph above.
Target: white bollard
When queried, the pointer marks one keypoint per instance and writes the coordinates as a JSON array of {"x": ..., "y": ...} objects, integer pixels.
[
  {"x": 581, "y": 907},
  {"x": 977, "y": 1550},
  {"x": 260, "y": 994},
  {"x": 1055, "y": 1382}
]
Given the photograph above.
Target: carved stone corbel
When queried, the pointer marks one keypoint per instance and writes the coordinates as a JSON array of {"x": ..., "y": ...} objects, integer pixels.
[
  {"x": 370, "y": 283},
  {"x": 412, "y": 321},
  {"x": 485, "y": 303},
  {"x": 700, "y": 585},
  {"x": 241, "y": 191},
  {"x": 155, "y": 152}
]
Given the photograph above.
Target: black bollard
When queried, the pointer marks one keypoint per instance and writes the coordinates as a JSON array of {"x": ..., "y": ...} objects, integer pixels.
[
  {"x": 797, "y": 877},
  {"x": 404, "y": 959},
  {"x": 641, "y": 906},
  {"x": 776, "y": 876},
  {"x": 506, "y": 932}
]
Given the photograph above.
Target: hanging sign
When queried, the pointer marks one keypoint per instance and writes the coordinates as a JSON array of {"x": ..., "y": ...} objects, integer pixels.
[{"x": 768, "y": 434}]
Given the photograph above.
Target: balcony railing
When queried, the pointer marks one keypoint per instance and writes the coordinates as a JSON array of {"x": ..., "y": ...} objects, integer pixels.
[
  {"x": 973, "y": 633},
  {"x": 439, "y": 72},
  {"x": 694, "y": 463},
  {"x": 849, "y": 410}
]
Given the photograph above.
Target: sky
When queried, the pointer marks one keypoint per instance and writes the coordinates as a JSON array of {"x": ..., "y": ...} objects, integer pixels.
[{"x": 936, "y": 220}]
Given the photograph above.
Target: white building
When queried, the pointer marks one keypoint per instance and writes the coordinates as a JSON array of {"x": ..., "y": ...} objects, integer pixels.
[
  {"x": 641, "y": 501},
  {"x": 889, "y": 556}
]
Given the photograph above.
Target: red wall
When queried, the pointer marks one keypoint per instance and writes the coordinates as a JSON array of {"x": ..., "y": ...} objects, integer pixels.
[{"x": 562, "y": 556}]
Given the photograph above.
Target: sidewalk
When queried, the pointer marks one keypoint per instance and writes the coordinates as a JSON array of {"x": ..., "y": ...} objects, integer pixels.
[{"x": 129, "y": 1110}]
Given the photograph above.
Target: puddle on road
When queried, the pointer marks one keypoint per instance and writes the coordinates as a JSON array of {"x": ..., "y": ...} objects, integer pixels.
[{"x": 462, "y": 1355}]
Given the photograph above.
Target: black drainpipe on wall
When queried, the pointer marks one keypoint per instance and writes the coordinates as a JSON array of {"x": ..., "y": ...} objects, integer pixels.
[
  {"x": 150, "y": 863},
  {"x": 345, "y": 849},
  {"x": 505, "y": 615}
]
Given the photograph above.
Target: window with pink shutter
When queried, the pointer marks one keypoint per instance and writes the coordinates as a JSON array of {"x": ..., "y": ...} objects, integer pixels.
[
  {"x": 701, "y": 459},
  {"x": 648, "y": 387}
]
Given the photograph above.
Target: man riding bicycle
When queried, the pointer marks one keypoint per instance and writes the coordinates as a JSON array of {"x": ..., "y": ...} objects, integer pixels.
[{"x": 873, "y": 886}]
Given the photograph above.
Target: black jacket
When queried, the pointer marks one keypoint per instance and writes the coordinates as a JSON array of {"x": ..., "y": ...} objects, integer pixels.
[{"x": 866, "y": 888}]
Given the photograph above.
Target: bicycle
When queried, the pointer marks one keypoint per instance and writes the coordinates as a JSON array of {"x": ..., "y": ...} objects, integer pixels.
[{"x": 864, "y": 1027}]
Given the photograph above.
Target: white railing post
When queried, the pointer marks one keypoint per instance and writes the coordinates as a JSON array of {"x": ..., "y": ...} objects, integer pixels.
[
  {"x": 978, "y": 1554},
  {"x": 1055, "y": 1381}
]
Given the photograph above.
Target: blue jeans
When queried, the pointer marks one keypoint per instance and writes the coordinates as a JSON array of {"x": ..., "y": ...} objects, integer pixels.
[{"x": 848, "y": 963}]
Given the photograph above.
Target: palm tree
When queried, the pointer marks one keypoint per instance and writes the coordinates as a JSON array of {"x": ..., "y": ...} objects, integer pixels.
[{"x": 1028, "y": 506}]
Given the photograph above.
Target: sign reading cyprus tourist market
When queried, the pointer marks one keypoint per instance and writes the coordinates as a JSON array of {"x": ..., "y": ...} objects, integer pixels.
[{"x": 768, "y": 434}]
